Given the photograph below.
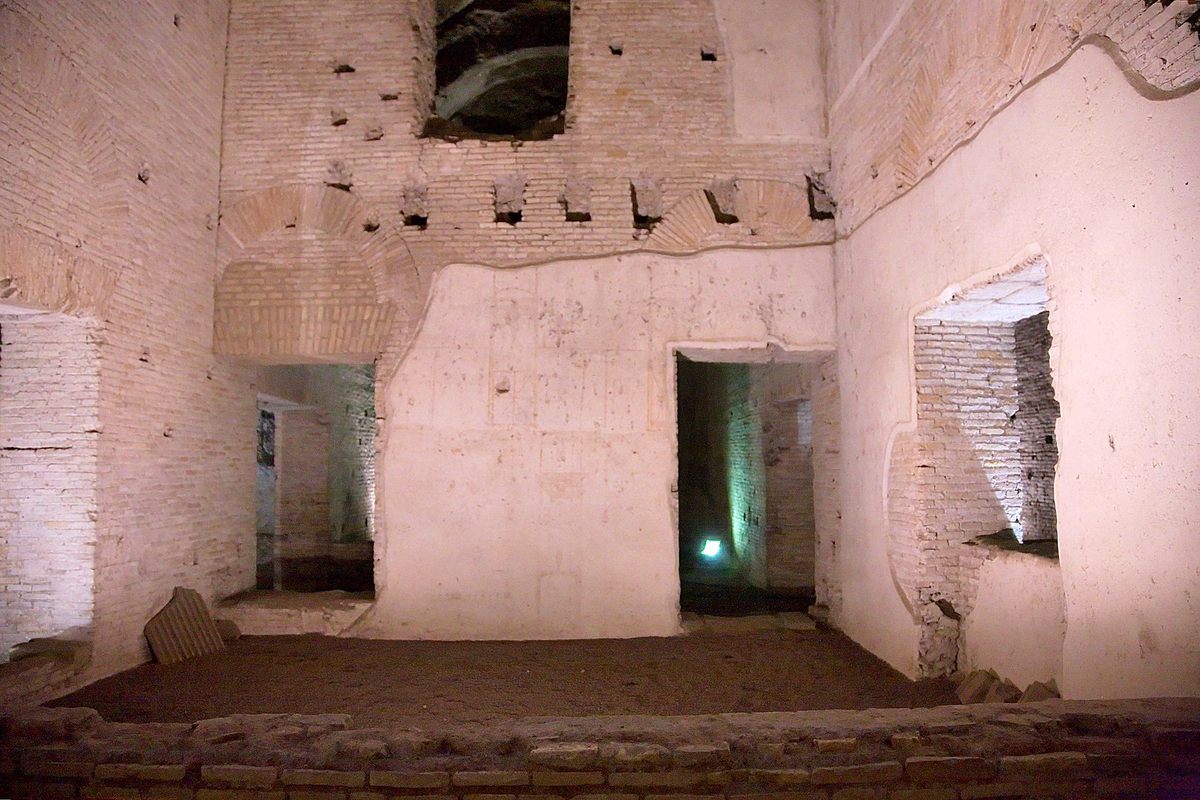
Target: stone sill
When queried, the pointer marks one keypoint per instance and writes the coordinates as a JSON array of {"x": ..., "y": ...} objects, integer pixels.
[{"x": 1006, "y": 542}]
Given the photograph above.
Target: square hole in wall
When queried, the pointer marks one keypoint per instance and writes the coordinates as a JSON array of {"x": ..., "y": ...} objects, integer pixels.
[
  {"x": 501, "y": 69},
  {"x": 986, "y": 397}
]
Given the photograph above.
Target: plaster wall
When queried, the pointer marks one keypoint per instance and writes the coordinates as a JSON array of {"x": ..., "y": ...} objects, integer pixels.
[
  {"x": 1017, "y": 624},
  {"x": 1067, "y": 170},
  {"x": 775, "y": 50},
  {"x": 528, "y": 456},
  {"x": 853, "y": 28}
]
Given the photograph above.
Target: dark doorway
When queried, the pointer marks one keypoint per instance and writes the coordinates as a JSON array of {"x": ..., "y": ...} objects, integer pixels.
[
  {"x": 316, "y": 482},
  {"x": 747, "y": 526}
]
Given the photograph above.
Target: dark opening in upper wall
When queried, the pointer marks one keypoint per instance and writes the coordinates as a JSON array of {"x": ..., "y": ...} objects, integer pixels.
[{"x": 501, "y": 69}]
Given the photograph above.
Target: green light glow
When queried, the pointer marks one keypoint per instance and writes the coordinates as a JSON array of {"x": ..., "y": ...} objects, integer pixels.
[{"x": 711, "y": 549}]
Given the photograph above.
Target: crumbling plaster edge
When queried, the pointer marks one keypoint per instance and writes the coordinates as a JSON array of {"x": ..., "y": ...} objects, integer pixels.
[{"x": 1030, "y": 253}]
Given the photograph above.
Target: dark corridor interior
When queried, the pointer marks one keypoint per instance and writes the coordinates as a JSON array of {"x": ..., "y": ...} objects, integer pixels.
[
  {"x": 316, "y": 482},
  {"x": 746, "y": 538}
]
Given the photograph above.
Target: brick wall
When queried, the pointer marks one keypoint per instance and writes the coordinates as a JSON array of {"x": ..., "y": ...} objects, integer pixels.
[
  {"x": 1037, "y": 415},
  {"x": 787, "y": 418},
  {"x": 347, "y": 396},
  {"x": 302, "y": 466},
  {"x": 746, "y": 471},
  {"x": 985, "y": 407},
  {"x": 49, "y": 404},
  {"x": 885, "y": 141},
  {"x": 282, "y": 90},
  {"x": 98, "y": 94},
  {"x": 1115, "y": 749},
  {"x": 970, "y": 478}
]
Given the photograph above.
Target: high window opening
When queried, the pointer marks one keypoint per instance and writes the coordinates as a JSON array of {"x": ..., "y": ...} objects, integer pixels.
[
  {"x": 49, "y": 437},
  {"x": 748, "y": 507},
  {"x": 501, "y": 68},
  {"x": 316, "y": 482}
]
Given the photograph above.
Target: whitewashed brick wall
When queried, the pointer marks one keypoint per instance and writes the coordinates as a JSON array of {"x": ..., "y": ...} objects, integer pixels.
[
  {"x": 302, "y": 467},
  {"x": 49, "y": 429},
  {"x": 347, "y": 395}
]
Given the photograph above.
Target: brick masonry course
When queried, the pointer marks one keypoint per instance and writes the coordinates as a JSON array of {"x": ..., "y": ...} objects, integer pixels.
[{"x": 899, "y": 755}]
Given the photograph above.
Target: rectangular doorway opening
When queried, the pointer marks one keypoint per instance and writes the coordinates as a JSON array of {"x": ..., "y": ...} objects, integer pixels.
[
  {"x": 748, "y": 505},
  {"x": 315, "y": 523}
]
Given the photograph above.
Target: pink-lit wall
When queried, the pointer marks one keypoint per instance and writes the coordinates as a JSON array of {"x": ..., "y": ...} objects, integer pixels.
[{"x": 1101, "y": 178}]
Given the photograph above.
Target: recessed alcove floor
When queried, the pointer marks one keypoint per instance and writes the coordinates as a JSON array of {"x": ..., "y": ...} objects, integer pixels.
[{"x": 463, "y": 685}]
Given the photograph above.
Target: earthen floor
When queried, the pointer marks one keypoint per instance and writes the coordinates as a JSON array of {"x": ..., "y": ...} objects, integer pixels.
[{"x": 450, "y": 685}]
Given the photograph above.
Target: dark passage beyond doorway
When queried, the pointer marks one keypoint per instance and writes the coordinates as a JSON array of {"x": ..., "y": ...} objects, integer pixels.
[{"x": 746, "y": 508}]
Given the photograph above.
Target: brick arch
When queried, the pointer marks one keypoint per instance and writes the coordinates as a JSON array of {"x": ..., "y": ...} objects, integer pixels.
[
  {"x": 769, "y": 212},
  {"x": 262, "y": 313},
  {"x": 45, "y": 274},
  {"x": 36, "y": 269}
]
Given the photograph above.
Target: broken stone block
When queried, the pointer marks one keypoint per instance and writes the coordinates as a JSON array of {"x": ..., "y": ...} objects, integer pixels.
[
  {"x": 508, "y": 197},
  {"x": 229, "y": 630},
  {"x": 1038, "y": 691},
  {"x": 509, "y": 193},
  {"x": 722, "y": 198},
  {"x": 1004, "y": 691},
  {"x": 820, "y": 203},
  {"x": 414, "y": 200},
  {"x": 647, "y": 197},
  {"x": 576, "y": 200},
  {"x": 338, "y": 176},
  {"x": 975, "y": 687},
  {"x": 183, "y": 629}
]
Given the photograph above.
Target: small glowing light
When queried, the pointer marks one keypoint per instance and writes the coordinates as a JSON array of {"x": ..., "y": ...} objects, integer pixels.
[{"x": 711, "y": 549}]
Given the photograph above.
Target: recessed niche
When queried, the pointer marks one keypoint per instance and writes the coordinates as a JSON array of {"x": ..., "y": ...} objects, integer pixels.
[
  {"x": 576, "y": 201},
  {"x": 645, "y": 196},
  {"x": 509, "y": 198}
]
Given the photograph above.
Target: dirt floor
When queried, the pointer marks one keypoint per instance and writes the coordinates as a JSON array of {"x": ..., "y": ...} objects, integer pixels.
[{"x": 448, "y": 684}]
